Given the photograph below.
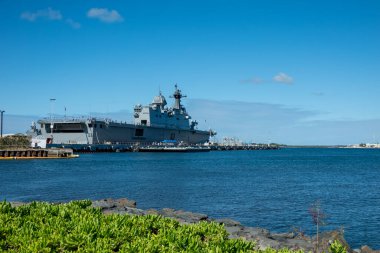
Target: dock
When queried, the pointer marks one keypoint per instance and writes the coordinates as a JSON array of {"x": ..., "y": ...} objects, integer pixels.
[
  {"x": 186, "y": 149},
  {"x": 224, "y": 147},
  {"x": 29, "y": 153},
  {"x": 149, "y": 147}
]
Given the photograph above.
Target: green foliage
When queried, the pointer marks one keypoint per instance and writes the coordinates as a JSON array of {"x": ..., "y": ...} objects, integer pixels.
[
  {"x": 76, "y": 227},
  {"x": 337, "y": 247},
  {"x": 15, "y": 141},
  {"x": 43, "y": 227}
]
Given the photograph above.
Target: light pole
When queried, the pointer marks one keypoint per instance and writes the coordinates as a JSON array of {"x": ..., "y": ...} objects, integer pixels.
[
  {"x": 51, "y": 118},
  {"x": 1, "y": 111}
]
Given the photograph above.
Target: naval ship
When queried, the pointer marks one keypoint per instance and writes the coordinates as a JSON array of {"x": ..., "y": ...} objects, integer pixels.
[{"x": 152, "y": 124}]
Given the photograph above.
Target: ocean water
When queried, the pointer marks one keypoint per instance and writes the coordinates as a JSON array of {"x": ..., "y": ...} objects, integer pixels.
[{"x": 272, "y": 189}]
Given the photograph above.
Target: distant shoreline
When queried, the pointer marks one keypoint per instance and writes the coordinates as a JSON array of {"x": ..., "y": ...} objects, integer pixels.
[{"x": 327, "y": 146}]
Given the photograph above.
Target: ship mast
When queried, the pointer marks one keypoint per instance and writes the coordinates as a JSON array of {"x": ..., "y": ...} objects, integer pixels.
[{"x": 177, "y": 96}]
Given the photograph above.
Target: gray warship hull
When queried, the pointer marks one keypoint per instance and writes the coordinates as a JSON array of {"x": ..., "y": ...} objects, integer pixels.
[
  {"x": 94, "y": 131},
  {"x": 153, "y": 123}
]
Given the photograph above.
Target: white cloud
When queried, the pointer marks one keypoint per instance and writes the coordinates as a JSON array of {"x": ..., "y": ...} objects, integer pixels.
[
  {"x": 279, "y": 78},
  {"x": 73, "y": 23},
  {"x": 105, "y": 15},
  {"x": 49, "y": 14},
  {"x": 249, "y": 120},
  {"x": 283, "y": 78},
  {"x": 264, "y": 122}
]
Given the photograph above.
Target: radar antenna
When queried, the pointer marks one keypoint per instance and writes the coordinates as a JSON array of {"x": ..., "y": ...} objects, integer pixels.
[{"x": 177, "y": 96}]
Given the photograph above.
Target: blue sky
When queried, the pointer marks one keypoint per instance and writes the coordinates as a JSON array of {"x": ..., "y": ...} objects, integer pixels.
[{"x": 295, "y": 72}]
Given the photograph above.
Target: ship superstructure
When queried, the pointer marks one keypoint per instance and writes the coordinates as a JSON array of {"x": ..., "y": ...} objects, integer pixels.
[
  {"x": 158, "y": 115},
  {"x": 152, "y": 123}
]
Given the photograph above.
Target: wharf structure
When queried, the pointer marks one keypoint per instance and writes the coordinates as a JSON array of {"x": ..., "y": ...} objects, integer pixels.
[
  {"x": 223, "y": 147},
  {"x": 29, "y": 153},
  {"x": 97, "y": 148}
]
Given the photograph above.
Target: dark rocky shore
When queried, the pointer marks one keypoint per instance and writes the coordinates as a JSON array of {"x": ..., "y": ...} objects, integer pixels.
[{"x": 263, "y": 237}]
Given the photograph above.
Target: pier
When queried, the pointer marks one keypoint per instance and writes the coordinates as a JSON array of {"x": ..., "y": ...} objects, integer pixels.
[
  {"x": 144, "y": 147},
  {"x": 15, "y": 154},
  {"x": 222, "y": 147}
]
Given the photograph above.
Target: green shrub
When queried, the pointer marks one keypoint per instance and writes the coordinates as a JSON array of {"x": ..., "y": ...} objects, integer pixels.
[
  {"x": 76, "y": 227},
  {"x": 43, "y": 227},
  {"x": 15, "y": 141},
  {"x": 337, "y": 247}
]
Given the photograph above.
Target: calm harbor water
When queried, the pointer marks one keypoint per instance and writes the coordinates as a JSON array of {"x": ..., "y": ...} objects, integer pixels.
[{"x": 271, "y": 189}]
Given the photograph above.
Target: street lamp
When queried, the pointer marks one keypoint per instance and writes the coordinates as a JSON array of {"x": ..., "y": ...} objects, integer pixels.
[
  {"x": 51, "y": 117},
  {"x": 1, "y": 134}
]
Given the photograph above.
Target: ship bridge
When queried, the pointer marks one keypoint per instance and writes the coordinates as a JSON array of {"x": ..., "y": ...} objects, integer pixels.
[{"x": 157, "y": 114}]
